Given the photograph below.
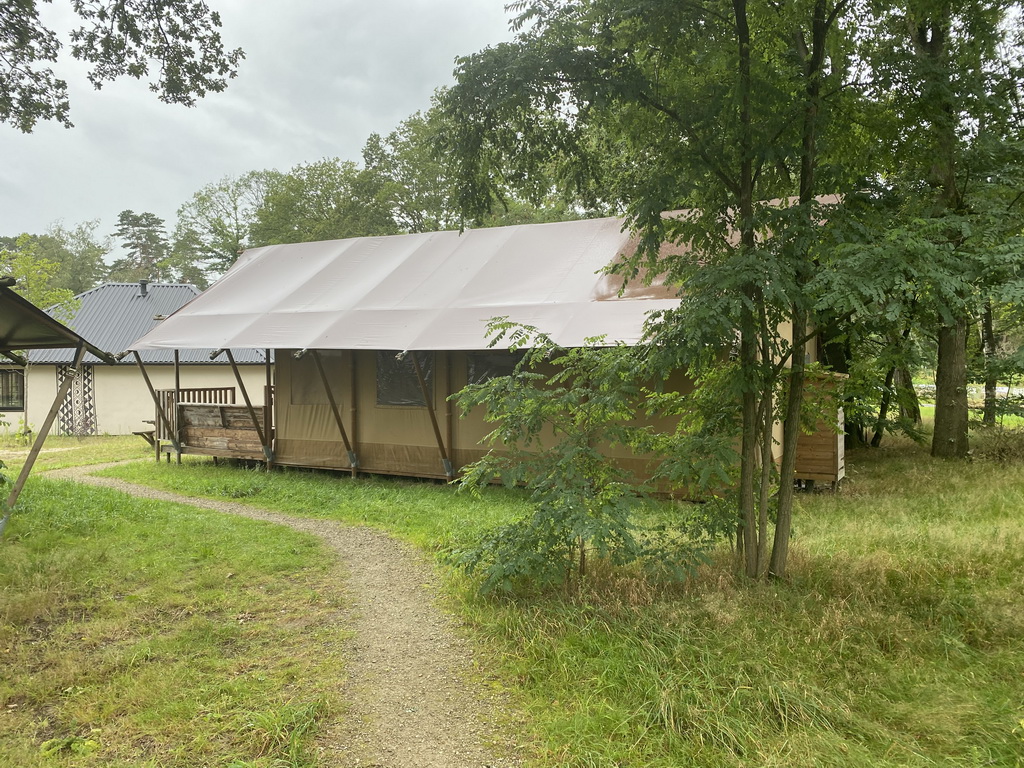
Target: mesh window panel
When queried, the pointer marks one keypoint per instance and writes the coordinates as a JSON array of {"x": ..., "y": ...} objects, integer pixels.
[
  {"x": 396, "y": 379},
  {"x": 483, "y": 366}
]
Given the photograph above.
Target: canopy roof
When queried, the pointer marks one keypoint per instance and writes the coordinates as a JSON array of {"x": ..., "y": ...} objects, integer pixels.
[
  {"x": 428, "y": 291},
  {"x": 24, "y": 326}
]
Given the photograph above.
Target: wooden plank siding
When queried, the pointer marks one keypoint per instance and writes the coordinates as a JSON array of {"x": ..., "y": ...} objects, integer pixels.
[{"x": 207, "y": 421}]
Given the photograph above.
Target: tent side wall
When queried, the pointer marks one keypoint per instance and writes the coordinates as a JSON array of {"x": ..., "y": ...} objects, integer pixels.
[{"x": 386, "y": 438}]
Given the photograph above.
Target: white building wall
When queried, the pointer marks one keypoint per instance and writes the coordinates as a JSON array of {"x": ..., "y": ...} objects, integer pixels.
[{"x": 123, "y": 402}]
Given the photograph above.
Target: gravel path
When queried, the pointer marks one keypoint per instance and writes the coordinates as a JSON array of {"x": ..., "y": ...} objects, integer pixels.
[{"x": 412, "y": 702}]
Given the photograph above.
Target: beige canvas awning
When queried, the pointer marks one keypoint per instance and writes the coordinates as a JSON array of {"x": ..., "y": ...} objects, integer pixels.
[{"x": 428, "y": 291}]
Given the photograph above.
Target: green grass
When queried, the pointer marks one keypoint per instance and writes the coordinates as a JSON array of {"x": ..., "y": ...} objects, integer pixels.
[
  {"x": 61, "y": 452},
  {"x": 137, "y": 633},
  {"x": 897, "y": 639},
  {"x": 432, "y": 515}
]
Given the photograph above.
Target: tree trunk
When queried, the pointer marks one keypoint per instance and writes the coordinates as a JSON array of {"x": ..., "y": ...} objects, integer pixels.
[
  {"x": 748, "y": 323},
  {"x": 988, "y": 346},
  {"x": 883, "y": 408},
  {"x": 748, "y": 456},
  {"x": 790, "y": 436},
  {"x": 910, "y": 406},
  {"x": 950, "y": 437}
]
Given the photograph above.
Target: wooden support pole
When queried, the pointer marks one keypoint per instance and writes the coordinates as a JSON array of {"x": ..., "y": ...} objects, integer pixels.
[
  {"x": 353, "y": 400},
  {"x": 353, "y": 461},
  {"x": 177, "y": 375},
  {"x": 445, "y": 462},
  {"x": 268, "y": 403},
  {"x": 449, "y": 425},
  {"x": 177, "y": 400},
  {"x": 159, "y": 410},
  {"x": 44, "y": 430},
  {"x": 267, "y": 452}
]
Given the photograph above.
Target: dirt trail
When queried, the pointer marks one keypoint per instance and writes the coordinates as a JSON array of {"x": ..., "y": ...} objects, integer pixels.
[{"x": 411, "y": 700}]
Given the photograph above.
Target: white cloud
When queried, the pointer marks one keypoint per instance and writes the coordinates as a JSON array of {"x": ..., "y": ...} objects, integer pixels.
[{"x": 318, "y": 78}]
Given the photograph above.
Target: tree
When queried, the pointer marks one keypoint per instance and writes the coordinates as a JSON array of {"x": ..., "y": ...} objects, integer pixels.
[
  {"x": 423, "y": 189},
  {"x": 177, "y": 40},
  {"x": 420, "y": 183},
  {"x": 214, "y": 226},
  {"x": 557, "y": 415},
  {"x": 950, "y": 75},
  {"x": 80, "y": 255},
  {"x": 35, "y": 275},
  {"x": 75, "y": 252},
  {"x": 144, "y": 240},
  {"x": 711, "y": 106},
  {"x": 326, "y": 200}
]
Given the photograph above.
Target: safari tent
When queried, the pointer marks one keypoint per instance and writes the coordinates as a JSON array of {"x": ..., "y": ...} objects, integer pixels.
[{"x": 371, "y": 335}]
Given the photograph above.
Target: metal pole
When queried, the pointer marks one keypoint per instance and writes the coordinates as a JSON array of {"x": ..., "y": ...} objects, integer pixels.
[
  {"x": 353, "y": 462},
  {"x": 449, "y": 473}
]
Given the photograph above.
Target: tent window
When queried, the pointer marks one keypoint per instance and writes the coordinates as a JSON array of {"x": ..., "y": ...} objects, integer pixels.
[
  {"x": 484, "y": 366},
  {"x": 306, "y": 387},
  {"x": 396, "y": 379},
  {"x": 12, "y": 390}
]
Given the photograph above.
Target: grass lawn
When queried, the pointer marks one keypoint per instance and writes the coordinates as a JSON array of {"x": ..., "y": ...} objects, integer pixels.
[
  {"x": 135, "y": 633},
  {"x": 898, "y": 639}
]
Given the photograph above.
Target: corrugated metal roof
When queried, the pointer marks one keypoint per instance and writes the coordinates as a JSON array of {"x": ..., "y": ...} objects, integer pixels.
[{"x": 114, "y": 315}]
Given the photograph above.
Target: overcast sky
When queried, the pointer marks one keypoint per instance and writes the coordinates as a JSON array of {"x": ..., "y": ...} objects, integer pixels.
[{"x": 319, "y": 76}]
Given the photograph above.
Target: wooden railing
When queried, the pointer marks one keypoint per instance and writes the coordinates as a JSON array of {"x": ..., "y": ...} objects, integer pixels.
[
  {"x": 198, "y": 396},
  {"x": 215, "y": 395}
]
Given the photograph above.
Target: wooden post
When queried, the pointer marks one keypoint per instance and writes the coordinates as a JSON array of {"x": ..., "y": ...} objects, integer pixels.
[
  {"x": 445, "y": 462},
  {"x": 353, "y": 412},
  {"x": 44, "y": 430},
  {"x": 449, "y": 425},
  {"x": 159, "y": 411},
  {"x": 267, "y": 452},
  {"x": 353, "y": 462},
  {"x": 177, "y": 400},
  {"x": 268, "y": 404}
]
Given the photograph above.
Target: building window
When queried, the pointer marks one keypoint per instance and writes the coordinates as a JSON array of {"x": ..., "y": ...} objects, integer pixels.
[
  {"x": 484, "y": 366},
  {"x": 397, "y": 383},
  {"x": 12, "y": 390}
]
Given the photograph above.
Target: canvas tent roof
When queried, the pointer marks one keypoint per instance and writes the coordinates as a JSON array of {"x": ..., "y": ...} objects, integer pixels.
[{"x": 427, "y": 291}]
